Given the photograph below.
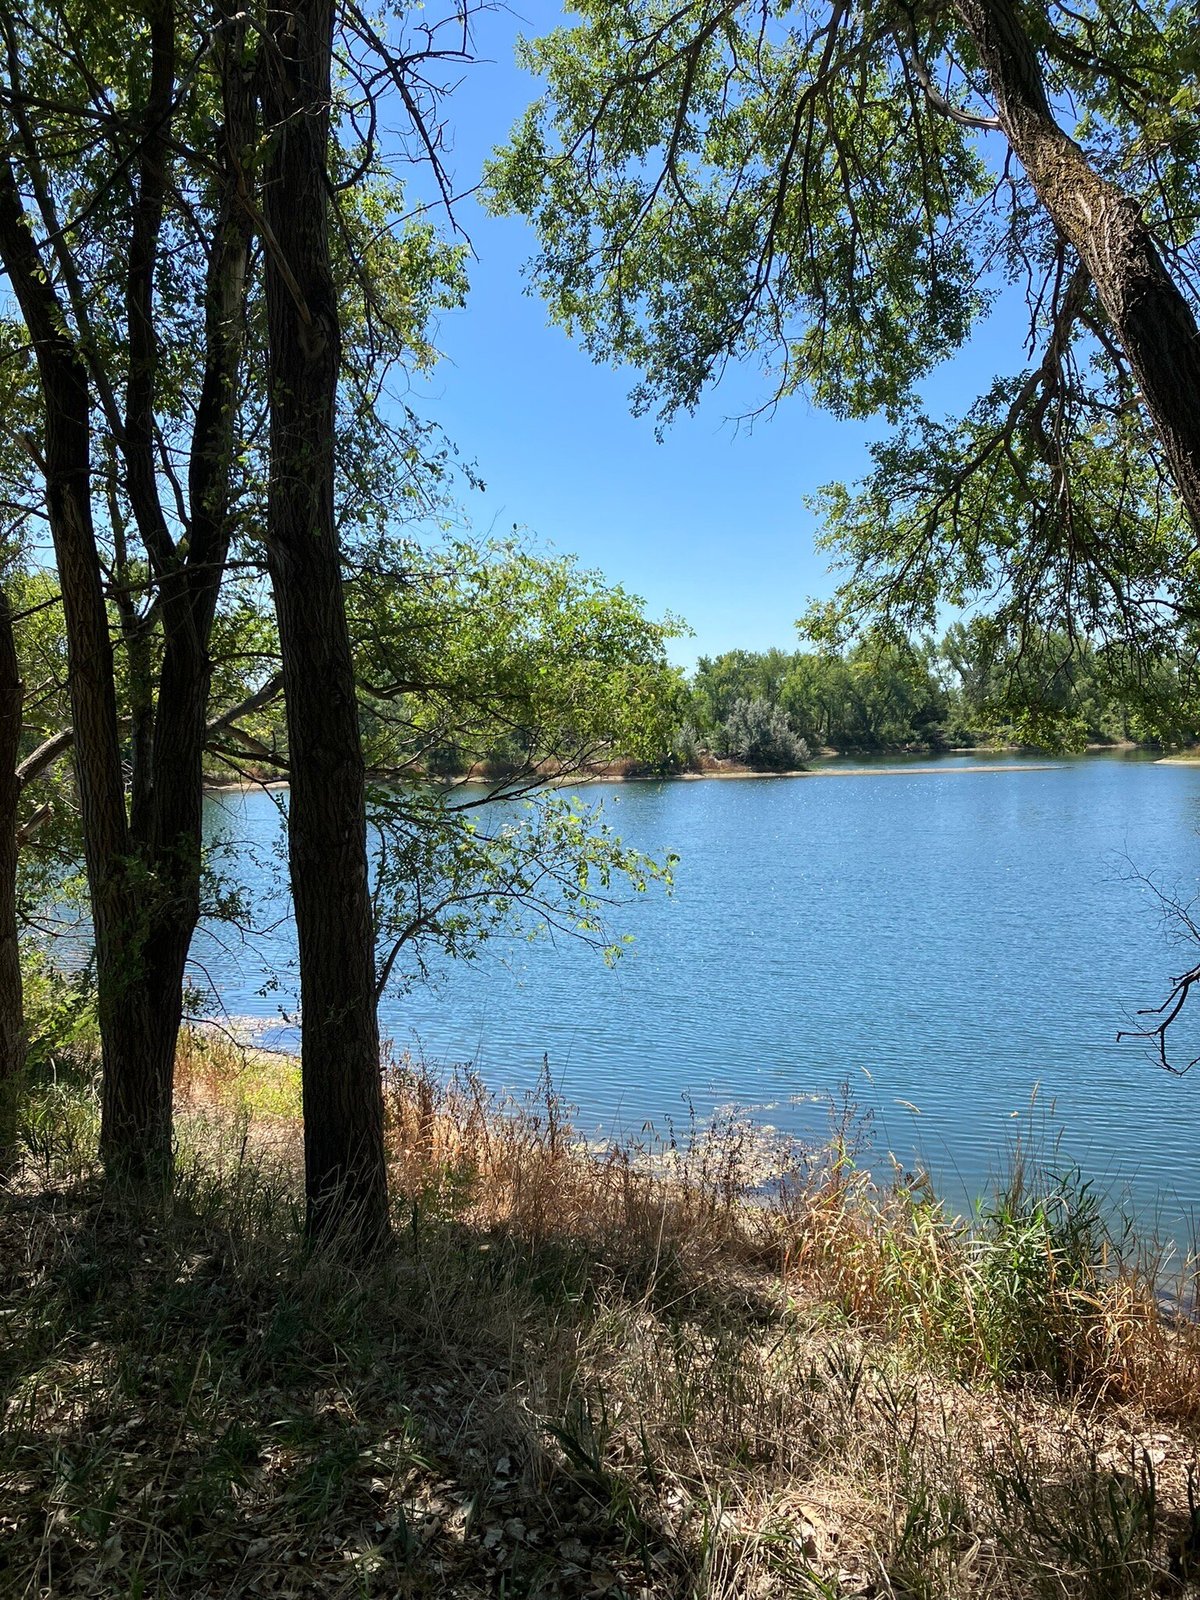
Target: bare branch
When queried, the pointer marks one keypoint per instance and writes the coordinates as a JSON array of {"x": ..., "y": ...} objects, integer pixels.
[{"x": 1167, "y": 1012}]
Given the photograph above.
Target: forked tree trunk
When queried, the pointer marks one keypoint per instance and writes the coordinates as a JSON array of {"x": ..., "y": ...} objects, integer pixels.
[
  {"x": 143, "y": 871},
  {"x": 96, "y": 746},
  {"x": 166, "y": 826},
  {"x": 346, "y": 1178},
  {"x": 1150, "y": 316}
]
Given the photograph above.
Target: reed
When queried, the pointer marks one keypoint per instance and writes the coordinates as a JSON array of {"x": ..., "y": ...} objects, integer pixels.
[{"x": 710, "y": 1362}]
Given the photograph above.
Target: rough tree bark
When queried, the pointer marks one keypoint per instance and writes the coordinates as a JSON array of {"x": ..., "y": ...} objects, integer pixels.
[
  {"x": 143, "y": 1019},
  {"x": 143, "y": 869},
  {"x": 67, "y": 465},
  {"x": 165, "y": 820},
  {"x": 12, "y": 1011},
  {"x": 346, "y": 1177},
  {"x": 1105, "y": 227}
]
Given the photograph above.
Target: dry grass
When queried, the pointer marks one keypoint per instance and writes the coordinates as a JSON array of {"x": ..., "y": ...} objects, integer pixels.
[{"x": 719, "y": 1366}]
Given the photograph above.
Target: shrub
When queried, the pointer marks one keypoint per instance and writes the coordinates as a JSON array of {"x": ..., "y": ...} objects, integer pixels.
[{"x": 759, "y": 734}]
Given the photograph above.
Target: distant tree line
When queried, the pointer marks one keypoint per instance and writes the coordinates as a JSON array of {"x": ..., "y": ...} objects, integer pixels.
[{"x": 974, "y": 686}]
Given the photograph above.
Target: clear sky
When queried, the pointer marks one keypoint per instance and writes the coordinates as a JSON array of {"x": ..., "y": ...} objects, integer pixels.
[{"x": 710, "y": 524}]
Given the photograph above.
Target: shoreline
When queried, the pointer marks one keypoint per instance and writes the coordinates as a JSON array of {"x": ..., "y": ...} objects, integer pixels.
[
  {"x": 562, "y": 1288},
  {"x": 823, "y": 772},
  {"x": 579, "y": 780},
  {"x": 919, "y": 764}
]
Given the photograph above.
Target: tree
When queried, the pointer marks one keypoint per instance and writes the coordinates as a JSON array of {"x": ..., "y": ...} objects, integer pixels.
[
  {"x": 487, "y": 672},
  {"x": 826, "y": 187},
  {"x": 345, "y": 1168},
  {"x": 878, "y": 695},
  {"x": 829, "y": 186},
  {"x": 20, "y": 502},
  {"x": 720, "y": 681},
  {"x": 129, "y": 206},
  {"x": 105, "y": 297},
  {"x": 12, "y": 1010},
  {"x": 1043, "y": 687},
  {"x": 142, "y": 192},
  {"x": 757, "y": 733}
]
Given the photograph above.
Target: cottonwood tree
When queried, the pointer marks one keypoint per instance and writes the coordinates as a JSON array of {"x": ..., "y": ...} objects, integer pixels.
[
  {"x": 181, "y": 211},
  {"x": 34, "y": 736},
  {"x": 18, "y": 506},
  {"x": 143, "y": 168},
  {"x": 306, "y": 308},
  {"x": 122, "y": 268},
  {"x": 12, "y": 1010},
  {"x": 346, "y": 1172},
  {"x": 841, "y": 192}
]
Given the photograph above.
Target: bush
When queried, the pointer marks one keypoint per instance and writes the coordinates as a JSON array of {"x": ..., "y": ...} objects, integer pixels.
[
  {"x": 759, "y": 734},
  {"x": 445, "y": 761},
  {"x": 61, "y": 1021}
]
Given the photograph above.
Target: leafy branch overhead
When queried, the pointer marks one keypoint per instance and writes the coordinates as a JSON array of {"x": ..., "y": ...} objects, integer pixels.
[{"x": 842, "y": 195}]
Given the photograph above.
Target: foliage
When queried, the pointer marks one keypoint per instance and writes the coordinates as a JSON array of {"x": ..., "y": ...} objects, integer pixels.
[
  {"x": 871, "y": 697},
  {"x": 60, "y": 1017},
  {"x": 501, "y": 667},
  {"x": 520, "y": 663},
  {"x": 758, "y": 733},
  {"x": 468, "y": 656},
  {"x": 695, "y": 1384},
  {"x": 944, "y": 516},
  {"x": 490, "y": 662},
  {"x": 979, "y": 684},
  {"x": 487, "y": 671},
  {"x": 1045, "y": 687},
  {"x": 723, "y": 179},
  {"x": 451, "y": 870},
  {"x": 837, "y": 194}
]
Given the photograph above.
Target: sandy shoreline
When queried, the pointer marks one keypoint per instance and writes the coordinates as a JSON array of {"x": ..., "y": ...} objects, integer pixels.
[
  {"x": 577, "y": 780},
  {"x": 827, "y": 772},
  {"x": 942, "y": 772}
]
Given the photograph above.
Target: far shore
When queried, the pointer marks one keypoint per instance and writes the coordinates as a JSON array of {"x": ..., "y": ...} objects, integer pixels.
[
  {"x": 930, "y": 763},
  {"x": 818, "y": 772},
  {"x": 725, "y": 773}
]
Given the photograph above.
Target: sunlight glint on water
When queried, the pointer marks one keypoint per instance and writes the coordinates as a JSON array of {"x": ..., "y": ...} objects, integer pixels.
[{"x": 947, "y": 941}]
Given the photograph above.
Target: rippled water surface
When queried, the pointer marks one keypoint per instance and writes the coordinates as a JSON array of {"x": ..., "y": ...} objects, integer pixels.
[{"x": 948, "y": 941}]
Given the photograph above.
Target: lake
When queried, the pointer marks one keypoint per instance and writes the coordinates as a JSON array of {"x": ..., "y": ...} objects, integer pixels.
[{"x": 952, "y": 943}]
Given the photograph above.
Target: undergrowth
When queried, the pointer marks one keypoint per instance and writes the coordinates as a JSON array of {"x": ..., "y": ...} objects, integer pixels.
[{"x": 715, "y": 1365}]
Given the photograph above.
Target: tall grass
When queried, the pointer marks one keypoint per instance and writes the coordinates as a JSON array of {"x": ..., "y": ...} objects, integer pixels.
[{"x": 715, "y": 1364}]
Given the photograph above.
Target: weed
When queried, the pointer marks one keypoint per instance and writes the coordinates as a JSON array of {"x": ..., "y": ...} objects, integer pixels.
[{"x": 712, "y": 1365}]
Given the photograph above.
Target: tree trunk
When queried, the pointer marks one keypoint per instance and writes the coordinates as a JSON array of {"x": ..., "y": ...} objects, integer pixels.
[
  {"x": 12, "y": 1009},
  {"x": 1150, "y": 316},
  {"x": 112, "y": 882},
  {"x": 346, "y": 1178},
  {"x": 144, "y": 873},
  {"x": 166, "y": 827}
]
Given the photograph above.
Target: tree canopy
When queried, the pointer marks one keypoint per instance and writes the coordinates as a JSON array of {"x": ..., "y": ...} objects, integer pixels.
[
  {"x": 218, "y": 291},
  {"x": 842, "y": 195}
]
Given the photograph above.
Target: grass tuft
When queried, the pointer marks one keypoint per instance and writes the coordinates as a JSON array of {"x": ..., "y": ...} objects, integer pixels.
[{"x": 714, "y": 1365}]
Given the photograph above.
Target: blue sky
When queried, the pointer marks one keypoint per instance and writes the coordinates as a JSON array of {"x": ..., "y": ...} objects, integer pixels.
[{"x": 711, "y": 524}]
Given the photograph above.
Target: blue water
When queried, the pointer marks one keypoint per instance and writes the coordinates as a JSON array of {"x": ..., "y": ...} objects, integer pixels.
[{"x": 955, "y": 944}]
